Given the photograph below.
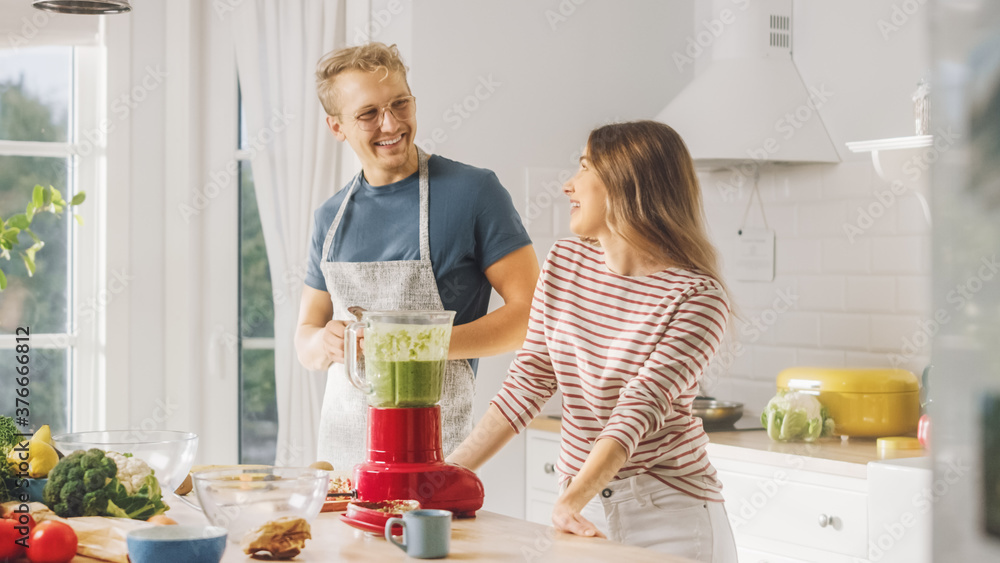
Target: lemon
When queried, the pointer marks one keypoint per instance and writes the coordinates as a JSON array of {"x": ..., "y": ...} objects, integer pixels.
[
  {"x": 44, "y": 434},
  {"x": 41, "y": 458}
]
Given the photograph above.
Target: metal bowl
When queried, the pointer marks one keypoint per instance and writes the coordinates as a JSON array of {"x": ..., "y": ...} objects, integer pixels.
[{"x": 717, "y": 413}]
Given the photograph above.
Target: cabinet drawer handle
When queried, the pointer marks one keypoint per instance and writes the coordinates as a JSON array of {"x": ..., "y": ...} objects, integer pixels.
[
  {"x": 825, "y": 520},
  {"x": 549, "y": 468}
]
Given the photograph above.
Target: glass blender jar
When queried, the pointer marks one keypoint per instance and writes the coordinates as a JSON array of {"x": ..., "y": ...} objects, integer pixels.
[{"x": 405, "y": 356}]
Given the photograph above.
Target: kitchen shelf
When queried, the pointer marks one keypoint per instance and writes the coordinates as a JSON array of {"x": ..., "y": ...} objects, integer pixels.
[
  {"x": 897, "y": 159},
  {"x": 913, "y": 142},
  {"x": 891, "y": 172}
]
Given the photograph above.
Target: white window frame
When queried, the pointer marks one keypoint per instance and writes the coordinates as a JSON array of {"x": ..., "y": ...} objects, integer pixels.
[{"x": 82, "y": 341}]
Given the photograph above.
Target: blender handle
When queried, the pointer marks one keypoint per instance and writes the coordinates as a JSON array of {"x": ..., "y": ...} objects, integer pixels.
[{"x": 352, "y": 362}]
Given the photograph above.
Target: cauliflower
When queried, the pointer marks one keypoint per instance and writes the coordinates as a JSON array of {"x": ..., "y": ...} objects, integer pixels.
[
  {"x": 132, "y": 471},
  {"x": 794, "y": 415}
]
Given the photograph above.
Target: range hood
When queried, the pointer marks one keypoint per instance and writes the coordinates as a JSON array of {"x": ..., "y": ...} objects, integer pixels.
[{"x": 750, "y": 103}]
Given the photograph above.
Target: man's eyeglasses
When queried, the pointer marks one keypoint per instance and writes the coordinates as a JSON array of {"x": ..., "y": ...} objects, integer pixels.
[{"x": 371, "y": 118}]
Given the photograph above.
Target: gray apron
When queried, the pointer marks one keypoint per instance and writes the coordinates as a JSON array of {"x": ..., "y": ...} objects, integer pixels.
[{"x": 384, "y": 286}]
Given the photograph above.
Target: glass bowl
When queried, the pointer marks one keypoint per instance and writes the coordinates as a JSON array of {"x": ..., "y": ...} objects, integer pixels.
[
  {"x": 242, "y": 499},
  {"x": 169, "y": 453}
]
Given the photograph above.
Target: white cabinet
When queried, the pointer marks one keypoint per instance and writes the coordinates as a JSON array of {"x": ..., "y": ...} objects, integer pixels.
[
  {"x": 784, "y": 513},
  {"x": 542, "y": 484}
]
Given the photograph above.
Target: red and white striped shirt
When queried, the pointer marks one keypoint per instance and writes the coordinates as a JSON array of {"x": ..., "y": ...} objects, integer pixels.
[{"x": 627, "y": 353}]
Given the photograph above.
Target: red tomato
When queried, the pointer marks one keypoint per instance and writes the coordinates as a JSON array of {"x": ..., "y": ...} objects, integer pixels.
[
  {"x": 9, "y": 550},
  {"x": 52, "y": 542},
  {"x": 21, "y": 518}
]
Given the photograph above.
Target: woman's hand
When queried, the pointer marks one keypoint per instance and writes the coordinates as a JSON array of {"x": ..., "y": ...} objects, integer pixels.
[{"x": 568, "y": 519}]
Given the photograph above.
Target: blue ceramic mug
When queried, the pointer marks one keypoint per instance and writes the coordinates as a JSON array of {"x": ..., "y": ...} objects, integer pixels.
[{"x": 426, "y": 533}]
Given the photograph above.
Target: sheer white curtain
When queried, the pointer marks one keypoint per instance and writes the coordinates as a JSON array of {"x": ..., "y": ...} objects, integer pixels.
[{"x": 295, "y": 160}]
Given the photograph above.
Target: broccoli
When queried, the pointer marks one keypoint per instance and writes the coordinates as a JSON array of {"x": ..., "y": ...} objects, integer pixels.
[
  {"x": 85, "y": 483},
  {"x": 9, "y": 434}
]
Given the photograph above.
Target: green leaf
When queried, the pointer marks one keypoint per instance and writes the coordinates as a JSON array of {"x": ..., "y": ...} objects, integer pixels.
[
  {"x": 9, "y": 238},
  {"x": 19, "y": 221},
  {"x": 78, "y": 198},
  {"x": 30, "y": 211},
  {"x": 79, "y": 220},
  {"x": 29, "y": 263},
  {"x": 56, "y": 196},
  {"x": 38, "y": 197},
  {"x": 3, "y": 281},
  {"x": 33, "y": 236}
]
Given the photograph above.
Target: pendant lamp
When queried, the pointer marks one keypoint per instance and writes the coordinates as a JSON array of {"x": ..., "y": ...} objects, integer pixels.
[{"x": 92, "y": 7}]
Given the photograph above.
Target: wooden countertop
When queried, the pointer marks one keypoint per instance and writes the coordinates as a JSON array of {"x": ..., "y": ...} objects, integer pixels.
[{"x": 487, "y": 537}]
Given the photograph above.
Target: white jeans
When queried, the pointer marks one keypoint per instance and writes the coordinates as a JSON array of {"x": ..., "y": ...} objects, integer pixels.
[{"x": 643, "y": 512}]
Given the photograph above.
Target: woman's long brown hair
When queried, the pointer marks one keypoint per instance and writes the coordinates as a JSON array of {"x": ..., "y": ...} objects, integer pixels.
[{"x": 654, "y": 200}]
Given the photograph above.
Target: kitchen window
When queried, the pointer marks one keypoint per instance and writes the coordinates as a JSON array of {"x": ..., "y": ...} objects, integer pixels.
[
  {"x": 258, "y": 404},
  {"x": 50, "y": 108}
]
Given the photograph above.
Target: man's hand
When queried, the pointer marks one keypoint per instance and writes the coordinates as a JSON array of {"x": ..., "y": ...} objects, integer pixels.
[
  {"x": 566, "y": 518},
  {"x": 332, "y": 341},
  {"x": 319, "y": 340}
]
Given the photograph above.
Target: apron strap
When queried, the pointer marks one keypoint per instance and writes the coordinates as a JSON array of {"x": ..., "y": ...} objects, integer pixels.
[
  {"x": 425, "y": 237},
  {"x": 336, "y": 220}
]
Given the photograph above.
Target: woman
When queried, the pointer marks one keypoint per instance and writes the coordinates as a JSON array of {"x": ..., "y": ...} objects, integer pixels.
[{"x": 624, "y": 322}]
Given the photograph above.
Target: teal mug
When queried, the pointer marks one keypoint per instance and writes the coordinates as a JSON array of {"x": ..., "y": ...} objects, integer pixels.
[{"x": 426, "y": 533}]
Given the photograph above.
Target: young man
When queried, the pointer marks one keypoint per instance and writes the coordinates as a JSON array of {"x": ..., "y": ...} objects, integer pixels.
[{"x": 408, "y": 232}]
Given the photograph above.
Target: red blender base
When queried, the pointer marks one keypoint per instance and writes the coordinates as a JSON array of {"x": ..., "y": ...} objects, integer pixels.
[{"x": 405, "y": 461}]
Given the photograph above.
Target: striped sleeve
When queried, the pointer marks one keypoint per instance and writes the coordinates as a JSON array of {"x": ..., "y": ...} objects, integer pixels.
[
  {"x": 531, "y": 381},
  {"x": 691, "y": 336}
]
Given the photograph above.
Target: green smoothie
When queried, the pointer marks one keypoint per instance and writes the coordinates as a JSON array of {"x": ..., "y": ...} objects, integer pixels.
[
  {"x": 405, "y": 364},
  {"x": 412, "y": 383}
]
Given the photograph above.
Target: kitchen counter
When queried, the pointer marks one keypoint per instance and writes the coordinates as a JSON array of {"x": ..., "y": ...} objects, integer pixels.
[
  {"x": 487, "y": 537},
  {"x": 848, "y": 458}
]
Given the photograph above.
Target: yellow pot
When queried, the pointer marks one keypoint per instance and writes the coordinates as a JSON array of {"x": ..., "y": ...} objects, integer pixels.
[{"x": 864, "y": 402}]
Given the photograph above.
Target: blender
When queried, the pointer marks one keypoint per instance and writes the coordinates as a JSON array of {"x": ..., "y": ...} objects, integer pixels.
[{"x": 403, "y": 375}]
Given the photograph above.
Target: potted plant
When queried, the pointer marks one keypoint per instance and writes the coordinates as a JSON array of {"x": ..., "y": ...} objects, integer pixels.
[{"x": 42, "y": 201}]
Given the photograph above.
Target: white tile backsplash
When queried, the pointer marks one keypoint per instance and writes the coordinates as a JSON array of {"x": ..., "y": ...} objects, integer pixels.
[
  {"x": 797, "y": 329},
  {"x": 888, "y": 331},
  {"x": 868, "y": 217},
  {"x": 869, "y": 360},
  {"x": 901, "y": 255},
  {"x": 768, "y": 361},
  {"x": 841, "y": 255},
  {"x": 855, "y": 295},
  {"x": 868, "y": 293},
  {"x": 845, "y": 331},
  {"x": 799, "y": 183},
  {"x": 822, "y": 293},
  {"x": 911, "y": 215},
  {"x": 830, "y": 358},
  {"x": 797, "y": 256},
  {"x": 848, "y": 179},
  {"x": 822, "y": 219},
  {"x": 913, "y": 294}
]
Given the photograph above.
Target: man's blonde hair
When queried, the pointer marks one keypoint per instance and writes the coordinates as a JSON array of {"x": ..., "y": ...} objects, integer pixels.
[{"x": 371, "y": 57}]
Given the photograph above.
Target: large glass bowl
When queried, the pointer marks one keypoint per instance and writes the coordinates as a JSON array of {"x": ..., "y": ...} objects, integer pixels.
[
  {"x": 169, "y": 453},
  {"x": 242, "y": 499}
]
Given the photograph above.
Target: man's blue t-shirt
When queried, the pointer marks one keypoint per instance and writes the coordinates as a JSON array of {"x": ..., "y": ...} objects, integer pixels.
[{"x": 472, "y": 224}]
